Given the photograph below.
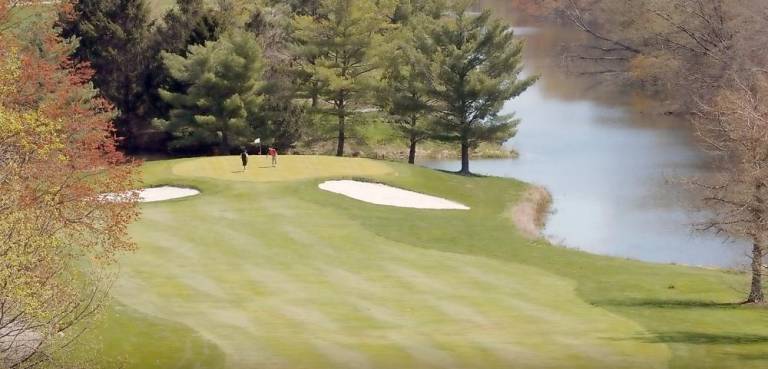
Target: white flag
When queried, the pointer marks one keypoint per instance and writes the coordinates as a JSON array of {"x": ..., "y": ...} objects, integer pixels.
[{"x": 257, "y": 141}]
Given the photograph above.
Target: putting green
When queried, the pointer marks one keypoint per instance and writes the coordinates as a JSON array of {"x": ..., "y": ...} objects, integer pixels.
[
  {"x": 289, "y": 168},
  {"x": 275, "y": 273}
]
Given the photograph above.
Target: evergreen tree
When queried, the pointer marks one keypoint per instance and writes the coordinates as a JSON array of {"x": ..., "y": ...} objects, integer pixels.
[
  {"x": 281, "y": 121},
  {"x": 113, "y": 37},
  {"x": 411, "y": 11},
  {"x": 342, "y": 40},
  {"x": 407, "y": 83},
  {"x": 478, "y": 65},
  {"x": 224, "y": 80},
  {"x": 190, "y": 22},
  {"x": 283, "y": 115},
  {"x": 303, "y": 7}
]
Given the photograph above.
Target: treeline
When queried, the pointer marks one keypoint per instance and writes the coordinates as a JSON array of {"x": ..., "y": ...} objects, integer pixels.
[
  {"x": 683, "y": 51},
  {"x": 707, "y": 61},
  {"x": 205, "y": 79}
]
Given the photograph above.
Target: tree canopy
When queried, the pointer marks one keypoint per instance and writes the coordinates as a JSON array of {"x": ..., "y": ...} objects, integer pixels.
[
  {"x": 406, "y": 90},
  {"x": 478, "y": 65},
  {"x": 341, "y": 42},
  {"x": 113, "y": 37},
  {"x": 223, "y": 93},
  {"x": 58, "y": 155}
]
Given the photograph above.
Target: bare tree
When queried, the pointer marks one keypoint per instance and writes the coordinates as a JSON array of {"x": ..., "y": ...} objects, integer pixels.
[
  {"x": 696, "y": 54},
  {"x": 734, "y": 127},
  {"x": 683, "y": 49}
]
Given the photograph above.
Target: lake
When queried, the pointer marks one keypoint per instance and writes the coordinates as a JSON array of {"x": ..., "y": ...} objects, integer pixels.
[{"x": 611, "y": 160}]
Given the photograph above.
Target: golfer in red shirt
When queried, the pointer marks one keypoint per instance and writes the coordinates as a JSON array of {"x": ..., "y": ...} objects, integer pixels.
[{"x": 273, "y": 154}]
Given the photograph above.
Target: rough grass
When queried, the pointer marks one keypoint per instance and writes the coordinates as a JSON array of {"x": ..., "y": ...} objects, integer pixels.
[
  {"x": 530, "y": 213},
  {"x": 277, "y": 274}
]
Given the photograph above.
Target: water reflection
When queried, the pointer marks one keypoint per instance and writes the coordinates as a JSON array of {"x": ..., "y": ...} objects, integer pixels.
[{"x": 611, "y": 162}]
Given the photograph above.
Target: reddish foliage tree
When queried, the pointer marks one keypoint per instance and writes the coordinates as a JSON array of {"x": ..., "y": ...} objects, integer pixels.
[{"x": 58, "y": 155}]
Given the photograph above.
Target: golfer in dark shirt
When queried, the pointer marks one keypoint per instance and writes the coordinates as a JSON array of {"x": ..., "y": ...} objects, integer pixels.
[{"x": 244, "y": 158}]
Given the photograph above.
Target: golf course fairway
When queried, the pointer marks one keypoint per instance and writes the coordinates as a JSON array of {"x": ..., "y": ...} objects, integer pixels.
[{"x": 264, "y": 270}]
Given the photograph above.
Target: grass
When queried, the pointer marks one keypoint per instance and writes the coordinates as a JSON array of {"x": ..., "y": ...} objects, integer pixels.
[
  {"x": 370, "y": 135},
  {"x": 129, "y": 338},
  {"x": 263, "y": 270},
  {"x": 289, "y": 168}
]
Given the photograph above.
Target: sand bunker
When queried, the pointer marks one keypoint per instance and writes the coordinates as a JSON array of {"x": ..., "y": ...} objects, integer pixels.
[
  {"x": 380, "y": 194},
  {"x": 155, "y": 194}
]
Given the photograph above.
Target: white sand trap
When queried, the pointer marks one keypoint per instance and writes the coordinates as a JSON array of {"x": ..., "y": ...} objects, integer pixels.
[
  {"x": 155, "y": 194},
  {"x": 376, "y": 193}
]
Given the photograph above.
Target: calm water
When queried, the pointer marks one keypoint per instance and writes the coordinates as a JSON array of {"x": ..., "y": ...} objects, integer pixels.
[{"x": 612, "y": 166}]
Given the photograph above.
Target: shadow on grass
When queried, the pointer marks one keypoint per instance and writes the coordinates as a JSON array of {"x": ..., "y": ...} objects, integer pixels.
[
  {"x": 752, "y": 357},
  {"x": 459, "y": 173},
  {"x": 670, "y": 304},
  {"x": 698, "y": 338}
]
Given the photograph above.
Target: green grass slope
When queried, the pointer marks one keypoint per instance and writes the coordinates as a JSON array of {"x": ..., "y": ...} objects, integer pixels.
[{"x": 264, "y": 270}]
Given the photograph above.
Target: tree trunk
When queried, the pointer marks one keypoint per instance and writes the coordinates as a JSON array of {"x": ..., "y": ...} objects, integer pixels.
[
  {"x": 464, "y": 156},
  {"x": 224, "y": 143},
  {"x": 756, "y": 290},
  {"x": 756, "y": 295},
  {"x": 340, "y": 147},
  {"x": 412, "y": 152},
  {"x": 414, "y": 139},
  {"x": 315, "y": 6}
]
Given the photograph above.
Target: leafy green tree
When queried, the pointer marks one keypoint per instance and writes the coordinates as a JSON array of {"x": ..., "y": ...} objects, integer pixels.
[
  {"x": 478, "y": 65},
  {"x": 343, "y": 40},
  {"x": 281, "y": 121},
  {"x": 113, "y": 37},
  {"x": 224, "y": 80},
  {"x": 405, "y": 93},
  {"x": 60, "y": 239},
  {"x": 283, "y": 114}
]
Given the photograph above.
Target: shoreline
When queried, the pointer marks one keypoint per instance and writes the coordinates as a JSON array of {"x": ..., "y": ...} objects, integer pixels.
[{"x": 530, "y": 213}]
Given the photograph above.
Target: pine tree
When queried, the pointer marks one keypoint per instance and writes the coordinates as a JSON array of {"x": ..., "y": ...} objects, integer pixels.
[
  {"x": 283, "y": 114},
  {"x": 342, "y": 40},
  {"x": 113, "y": 37},
  {"x": 407, "y": 83},
  {"x": 224, "y": 79},
  {"x": 478, "y": 64},
  {"x": 300, "y": 7},
  {"x": 190, "y": 22},
  {"x": 413, "y": 11}
]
